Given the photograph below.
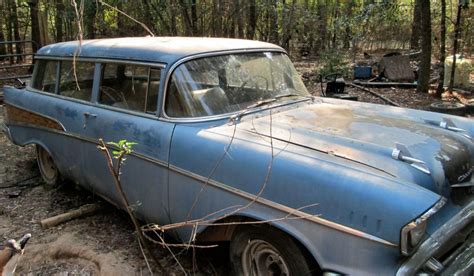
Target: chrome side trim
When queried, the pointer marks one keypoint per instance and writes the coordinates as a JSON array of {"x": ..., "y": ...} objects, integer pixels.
[
  {"x": 282, "y": 208},
  {"x": 436, "y": 241},
  {"x": 93, "y": 141},
  {"x": 39, "y": 114}
]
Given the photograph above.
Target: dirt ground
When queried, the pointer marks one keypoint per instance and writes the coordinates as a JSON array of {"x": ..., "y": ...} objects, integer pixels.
[
  {"x": 100, "y": 244},
  {"x": 104, "y": 243}
]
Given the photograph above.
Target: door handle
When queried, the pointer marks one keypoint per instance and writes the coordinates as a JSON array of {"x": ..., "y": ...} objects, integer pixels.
[{"x": 88, "y": 115}]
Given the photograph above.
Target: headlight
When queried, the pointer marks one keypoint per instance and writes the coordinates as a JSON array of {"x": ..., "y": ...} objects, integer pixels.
[{"x": 412, "y": 233}]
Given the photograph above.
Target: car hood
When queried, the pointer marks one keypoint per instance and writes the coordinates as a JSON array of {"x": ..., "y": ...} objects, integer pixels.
[{"x": 376, "y": 138}]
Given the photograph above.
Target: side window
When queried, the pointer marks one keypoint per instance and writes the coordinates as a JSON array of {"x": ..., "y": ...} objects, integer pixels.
[
  {"x": 130, "y": 87},
  {"x": 76, "y": 80},
  {"x": 45, "y": 78}
]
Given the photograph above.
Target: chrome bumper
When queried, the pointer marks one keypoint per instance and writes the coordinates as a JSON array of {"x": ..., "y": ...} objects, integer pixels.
[{"x": 434, "y": 243}]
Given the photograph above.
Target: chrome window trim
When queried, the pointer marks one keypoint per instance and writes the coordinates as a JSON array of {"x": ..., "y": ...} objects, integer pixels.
[
  {"x": 414, "y": 223},
  {"x": 167, "y": 80},
  {"x": 97, "y": 105},
  {"x": 103, "y": 60}
]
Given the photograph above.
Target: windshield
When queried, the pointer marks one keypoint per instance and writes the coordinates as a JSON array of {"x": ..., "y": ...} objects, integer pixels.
[{"x": 230, "y": 83}]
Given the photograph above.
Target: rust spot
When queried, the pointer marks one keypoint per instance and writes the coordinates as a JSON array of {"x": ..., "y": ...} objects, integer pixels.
[{"x": 15, "y": 115}]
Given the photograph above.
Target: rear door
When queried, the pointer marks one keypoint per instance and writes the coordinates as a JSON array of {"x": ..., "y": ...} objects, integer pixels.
[{"x": 125, "y": 109}]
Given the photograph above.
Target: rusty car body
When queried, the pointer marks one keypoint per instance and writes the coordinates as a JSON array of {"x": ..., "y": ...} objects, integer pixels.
[{"x": 227, "y": 132}]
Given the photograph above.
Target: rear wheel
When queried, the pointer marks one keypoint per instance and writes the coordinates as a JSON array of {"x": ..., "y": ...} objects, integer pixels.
[
  {"x": 49, "y": 171},
  {"x": 267, "y": 251}
]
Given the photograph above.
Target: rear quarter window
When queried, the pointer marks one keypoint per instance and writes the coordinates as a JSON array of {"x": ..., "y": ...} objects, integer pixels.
[{"x": 45, "y": 77}]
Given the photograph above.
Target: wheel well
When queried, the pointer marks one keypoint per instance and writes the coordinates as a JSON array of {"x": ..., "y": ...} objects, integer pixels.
[{"x": 223, "y": 230}]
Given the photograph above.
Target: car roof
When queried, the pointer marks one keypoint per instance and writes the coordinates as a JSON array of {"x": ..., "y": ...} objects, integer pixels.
[{"x": 151, "y": 49}]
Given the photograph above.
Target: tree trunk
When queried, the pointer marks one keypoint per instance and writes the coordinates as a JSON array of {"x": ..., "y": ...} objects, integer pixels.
[
  {"x": 35, "y": 25},
  {"x": 194, "y": 17},
  {"x": 425, "y": 57},
  {"x": 188, "y": 25},
  {"x": 238, "y": 14},
  {"x": 16, "y": 32},
  {"x": 415, "y": 27},
  {"x": 457, "y": 31},
  {"x": 273, "y": 20},
  {"x": 58, "y": 23},
  {"x": 322, "y": 28},
  {"x": 89, "y": 20},
  {"x": 442, "y": 50},
  {"x": 9, "y": 33},
  {"x": 3, "y": 50},
  {"x": 334, "y": 20},
  {"x": 347, "y": 31},
  {"x": 252, "y": 23}
]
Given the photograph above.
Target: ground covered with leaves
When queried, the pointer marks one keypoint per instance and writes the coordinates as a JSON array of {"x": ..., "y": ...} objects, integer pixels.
[{"x": 100, "y": 244}]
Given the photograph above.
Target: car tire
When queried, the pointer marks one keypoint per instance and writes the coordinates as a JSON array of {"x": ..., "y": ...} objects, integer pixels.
[
  {"x": 48, "y": 170},
  {"x": 263, "y": 250},
  {"x": 452, "y": 108}
]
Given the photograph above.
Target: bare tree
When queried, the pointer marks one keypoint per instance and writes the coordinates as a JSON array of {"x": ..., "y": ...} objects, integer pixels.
[
  {"x": 425, "y": 57},
  {"x": 35, "y": 25},
  {"x": 58, "y": 23},
  {"x": 442, "y": 50},
  {"x": 416, "y": 24},
  {"x": 457, "y": 31},
  {"x": 252, "y": 19}
]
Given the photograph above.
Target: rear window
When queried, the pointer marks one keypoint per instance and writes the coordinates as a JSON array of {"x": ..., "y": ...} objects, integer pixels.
[{"x": 45, "y": 78}]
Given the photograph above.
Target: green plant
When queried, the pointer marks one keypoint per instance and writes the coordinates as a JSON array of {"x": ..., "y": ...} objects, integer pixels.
[
  {"x": 334, "y": 61},
  {"x": 123, "y": 148}
]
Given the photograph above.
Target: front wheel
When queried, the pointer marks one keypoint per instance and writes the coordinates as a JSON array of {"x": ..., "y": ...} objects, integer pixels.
[
  {"x": 267, "y": 251},
  {"x": 49, "y": 171}
]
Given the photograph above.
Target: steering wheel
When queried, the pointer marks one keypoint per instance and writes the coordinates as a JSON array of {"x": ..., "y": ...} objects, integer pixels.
[
  {"x": 254, "y": 79},
  {"x": 332, "y": 77}
]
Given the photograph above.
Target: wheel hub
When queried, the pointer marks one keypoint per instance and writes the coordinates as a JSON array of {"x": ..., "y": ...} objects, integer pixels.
[{"x": 261, "y": 258}]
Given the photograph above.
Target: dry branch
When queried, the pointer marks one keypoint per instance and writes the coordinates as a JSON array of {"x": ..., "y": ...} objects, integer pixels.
[
  {"x": 81, "y": 211},
  {"x": 373, "y": 93}
]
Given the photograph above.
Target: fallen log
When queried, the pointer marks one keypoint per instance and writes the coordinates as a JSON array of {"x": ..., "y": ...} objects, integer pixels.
[
  {"x": 81, "y": 211},
  {"x": 373, "y": 93},
  {"x": 387, "y": 84}
]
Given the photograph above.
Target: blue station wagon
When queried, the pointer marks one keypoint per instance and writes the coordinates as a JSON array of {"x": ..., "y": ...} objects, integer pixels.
[{"x": 229, "y": 140}]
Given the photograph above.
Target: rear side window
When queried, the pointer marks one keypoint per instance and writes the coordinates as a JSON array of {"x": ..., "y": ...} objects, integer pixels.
[
  {"x": 76, "y": 79},
  {"x": 45, "y": 78},
  {"x": 130, "y": 87}
]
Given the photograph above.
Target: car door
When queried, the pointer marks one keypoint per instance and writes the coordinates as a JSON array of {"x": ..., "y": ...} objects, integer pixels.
[{"x": 125, "y": 109}]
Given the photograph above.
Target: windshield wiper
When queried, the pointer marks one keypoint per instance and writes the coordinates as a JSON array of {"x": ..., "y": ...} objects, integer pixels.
[
  {"x": 287, "y": 95},
  {"x": 237, "y": 116},
  {"x": 292, "y": 95}
]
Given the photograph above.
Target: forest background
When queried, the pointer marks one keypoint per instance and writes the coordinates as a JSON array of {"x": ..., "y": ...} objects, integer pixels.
[{"x": 332, "y": 31}]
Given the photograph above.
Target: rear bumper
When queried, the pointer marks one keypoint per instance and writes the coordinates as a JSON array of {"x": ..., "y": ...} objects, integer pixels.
[{"x": 431, "y": 246}]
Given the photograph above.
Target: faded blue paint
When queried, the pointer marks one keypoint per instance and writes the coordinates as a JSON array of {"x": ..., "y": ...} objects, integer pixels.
[{"x": 332, "y": 156}]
